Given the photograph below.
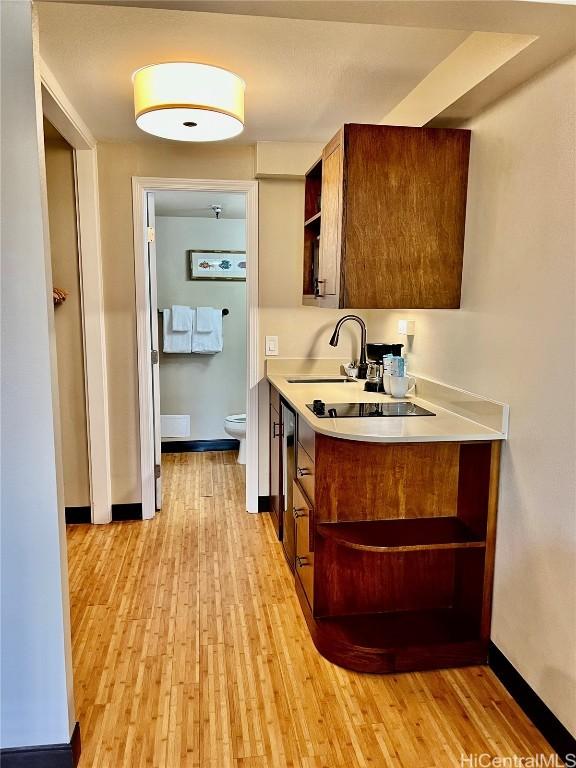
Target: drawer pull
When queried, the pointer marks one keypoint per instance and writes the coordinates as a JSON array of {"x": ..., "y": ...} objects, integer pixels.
[
  {"x": 298, "y": 512},
  {"x": 301, "y": 561},
  {"x": 302, "y": 471}
]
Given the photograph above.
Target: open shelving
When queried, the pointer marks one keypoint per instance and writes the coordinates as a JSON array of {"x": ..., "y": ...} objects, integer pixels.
[{"x": 403, "y": 535}]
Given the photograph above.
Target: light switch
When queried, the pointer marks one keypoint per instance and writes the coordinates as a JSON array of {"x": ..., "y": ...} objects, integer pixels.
[
  {"x": 406, "y": 327},
  {"x": 271, "y": 345}
]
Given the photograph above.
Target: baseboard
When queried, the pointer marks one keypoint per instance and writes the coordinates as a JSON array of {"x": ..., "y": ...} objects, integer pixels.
[
  {"x": 263, "y": 503},
  {"x": 48, "y": 756},
  {"x": 560, "y": 739},
  {"x": 121, "y": 512},
  {"x": 78, "y": 515},
  {"x": 191, "y": 446}
]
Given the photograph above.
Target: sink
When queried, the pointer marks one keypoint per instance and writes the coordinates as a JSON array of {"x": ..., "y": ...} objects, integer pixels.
[{"x": 320, "y": 380}]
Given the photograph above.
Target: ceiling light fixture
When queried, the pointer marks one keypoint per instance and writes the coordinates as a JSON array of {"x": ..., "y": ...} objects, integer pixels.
[{"x": 185, "y": 101}]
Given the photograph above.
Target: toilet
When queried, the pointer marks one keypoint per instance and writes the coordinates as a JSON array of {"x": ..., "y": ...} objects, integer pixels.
[{"x": 235, "y": 426}]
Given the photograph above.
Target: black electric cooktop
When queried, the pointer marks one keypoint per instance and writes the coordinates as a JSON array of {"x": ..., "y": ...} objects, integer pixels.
[{"x": 366, "y": 410}]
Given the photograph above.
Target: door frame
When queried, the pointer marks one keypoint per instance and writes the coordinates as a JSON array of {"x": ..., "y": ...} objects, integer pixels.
[
  {"x": 140, "y": 186},
  {"x": 57, "y": 108}
]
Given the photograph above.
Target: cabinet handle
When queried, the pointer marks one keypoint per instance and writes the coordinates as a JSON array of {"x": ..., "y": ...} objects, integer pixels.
[
  {"x": 298, "y": 512},
  {"x": 301, "y": 561},
  {"x": 301, "y": 471},
  {"x": 275, "y": 426}
]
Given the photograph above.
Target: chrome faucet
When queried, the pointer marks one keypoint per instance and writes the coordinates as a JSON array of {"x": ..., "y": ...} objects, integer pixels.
[{"x": 363, "y": 365}]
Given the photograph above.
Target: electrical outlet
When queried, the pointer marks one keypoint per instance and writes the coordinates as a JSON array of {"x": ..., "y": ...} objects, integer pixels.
[
  {"x": 271, "y": 345},
  {"x": 406, "y": 327}
]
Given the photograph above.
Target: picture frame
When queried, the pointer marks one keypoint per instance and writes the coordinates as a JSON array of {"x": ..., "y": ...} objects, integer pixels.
[{"x": 217, "y": 265}]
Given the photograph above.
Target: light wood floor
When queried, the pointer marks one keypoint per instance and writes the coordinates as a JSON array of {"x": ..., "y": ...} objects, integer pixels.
[{"x": 190, "y": 650}]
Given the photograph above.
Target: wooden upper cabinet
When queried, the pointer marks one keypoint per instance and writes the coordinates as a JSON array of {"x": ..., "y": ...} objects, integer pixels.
[
  {"x": 388, "y": 229},
  {"x": 331, "y": 221}
]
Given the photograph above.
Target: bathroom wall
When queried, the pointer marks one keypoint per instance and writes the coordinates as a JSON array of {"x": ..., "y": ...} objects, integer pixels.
[
  {"x": 514, "y": 339},
  {"x": 67, "y": 317},
  {"x": 208, "y": 387}
]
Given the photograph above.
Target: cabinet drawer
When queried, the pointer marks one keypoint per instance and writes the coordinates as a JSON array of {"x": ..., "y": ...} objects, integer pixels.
[
  {"x": 305, "y": 472},
  {"x": 306, "y": 438},
  {"x": 304, "y": 532}
]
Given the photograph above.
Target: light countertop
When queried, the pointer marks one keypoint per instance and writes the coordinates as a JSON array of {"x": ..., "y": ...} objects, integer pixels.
[{"x": 445, "y": 426}]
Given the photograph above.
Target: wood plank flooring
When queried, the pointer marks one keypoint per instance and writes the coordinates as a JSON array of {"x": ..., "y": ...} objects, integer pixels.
[{"x": 190, "y": 651}]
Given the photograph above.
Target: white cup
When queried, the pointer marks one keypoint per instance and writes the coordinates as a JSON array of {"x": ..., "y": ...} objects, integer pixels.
[
  {"x": 386, "y": 383},
  {"x": 400, "y": 385}
]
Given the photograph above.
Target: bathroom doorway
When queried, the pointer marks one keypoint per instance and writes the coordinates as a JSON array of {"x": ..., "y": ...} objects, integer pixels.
[{"x": 196, "y": 284}]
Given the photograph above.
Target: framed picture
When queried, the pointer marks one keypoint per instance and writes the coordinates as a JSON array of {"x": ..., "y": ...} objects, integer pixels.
[{"x": 217, "y": 265}]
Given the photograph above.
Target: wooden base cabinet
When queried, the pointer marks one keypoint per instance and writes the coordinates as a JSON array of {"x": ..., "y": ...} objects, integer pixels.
[
  {"x": 275, "y": 454},
  {"x": 303, "y": 513},
  {"x": 394, "y": 567},
  {"x": 385, "y": 210}
]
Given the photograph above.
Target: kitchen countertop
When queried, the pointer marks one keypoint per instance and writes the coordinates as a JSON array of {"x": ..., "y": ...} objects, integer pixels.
[{"x": 445, "y": 426}]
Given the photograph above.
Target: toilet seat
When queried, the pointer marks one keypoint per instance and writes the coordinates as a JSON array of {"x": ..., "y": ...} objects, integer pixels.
[{"x": 237, "y": 418}]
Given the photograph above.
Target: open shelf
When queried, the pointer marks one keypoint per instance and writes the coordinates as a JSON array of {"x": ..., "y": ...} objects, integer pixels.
[
  {"x": 401, "y": 629},
  {"x": 402, "y": 535},
  {"x": 313, "y": 219},
  {"x": 398, "y": 641}
]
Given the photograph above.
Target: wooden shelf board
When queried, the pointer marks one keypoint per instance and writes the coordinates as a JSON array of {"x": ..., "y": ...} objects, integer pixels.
[
  {"x": 402, "y": 535},
  {"x": 388, "y": 632},
  {"x": 313, "y": 219}
]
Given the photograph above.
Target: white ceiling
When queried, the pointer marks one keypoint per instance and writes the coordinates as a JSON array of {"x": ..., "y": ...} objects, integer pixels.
[
  {"x": 197, "y": 204},
  {"x": 309, "y": 65},
  {"x": 304, "y": 78}
]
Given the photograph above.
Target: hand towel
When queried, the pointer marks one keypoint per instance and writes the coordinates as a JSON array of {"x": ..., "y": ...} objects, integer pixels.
[
  {"x": 179, "y": 341},
  {"x": 181, "y": 318},
  {"x": 208, "y": 342},
  {"x": 204, "y": 319}
]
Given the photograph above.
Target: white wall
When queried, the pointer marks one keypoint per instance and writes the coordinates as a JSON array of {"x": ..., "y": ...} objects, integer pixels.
[
  {"x": 514, "y": 340},
  {"x": 36, "y": 686},
  {"x": 208, "y": 387}
]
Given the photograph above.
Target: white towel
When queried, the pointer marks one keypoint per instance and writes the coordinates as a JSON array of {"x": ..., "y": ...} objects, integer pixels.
[
  {"x": 208, "y": 342},
  {"x": 179, "y": 341},
  {"x": 181, "y": 318},
  {"x": 204, "y": 320}
]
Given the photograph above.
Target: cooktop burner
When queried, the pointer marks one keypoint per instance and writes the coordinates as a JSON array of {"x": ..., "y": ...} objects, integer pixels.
[{"x": 366, "y": 410}]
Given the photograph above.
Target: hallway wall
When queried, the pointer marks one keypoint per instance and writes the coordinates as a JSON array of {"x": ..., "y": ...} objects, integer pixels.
[
  {"x": 302, "y": 330},
  {"x": 37, "y": 697},
  {"x": 67, "y": 317},
  {"x": 514, "y": 340},
  {"x": 117, "y": 163},
  {"x": 207, "y": 387}
]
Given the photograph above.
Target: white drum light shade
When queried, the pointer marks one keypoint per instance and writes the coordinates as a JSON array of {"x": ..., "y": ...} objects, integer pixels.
[{"x": 188, "y": 102}]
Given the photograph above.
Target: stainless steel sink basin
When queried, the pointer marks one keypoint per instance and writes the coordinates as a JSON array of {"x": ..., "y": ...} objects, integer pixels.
[{"x": 320, "y": 380}]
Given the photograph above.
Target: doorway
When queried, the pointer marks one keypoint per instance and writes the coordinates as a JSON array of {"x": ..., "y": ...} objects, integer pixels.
[
  {"x": 68, "y": 323},
  {"x": 192, "y": 390}
]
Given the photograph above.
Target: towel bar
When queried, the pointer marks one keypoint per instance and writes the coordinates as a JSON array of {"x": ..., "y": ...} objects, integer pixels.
[{"x": 225, "y": 311}]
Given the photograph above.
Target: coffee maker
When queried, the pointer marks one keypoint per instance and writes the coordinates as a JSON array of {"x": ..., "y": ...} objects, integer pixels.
[{"x": 375, "y": 353}]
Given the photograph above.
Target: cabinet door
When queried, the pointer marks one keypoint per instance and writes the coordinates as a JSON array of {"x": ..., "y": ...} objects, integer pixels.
[
  {"x": 275, "y": 468},
  {"x": 288, "y": 465},
  {"x": 331, "y": 216},
  {"x": 304, "y": 537}
]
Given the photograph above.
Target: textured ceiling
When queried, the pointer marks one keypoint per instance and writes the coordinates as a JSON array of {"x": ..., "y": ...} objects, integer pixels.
[{"x": 304, "y": 78}]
